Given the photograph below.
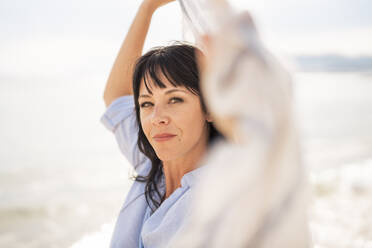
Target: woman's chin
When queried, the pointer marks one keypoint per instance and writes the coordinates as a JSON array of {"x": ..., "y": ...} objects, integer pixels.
[{"x": 166, "y": 155}]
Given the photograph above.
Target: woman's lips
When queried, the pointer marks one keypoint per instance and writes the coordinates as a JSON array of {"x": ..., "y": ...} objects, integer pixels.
[{"x": 164, "y": 138}]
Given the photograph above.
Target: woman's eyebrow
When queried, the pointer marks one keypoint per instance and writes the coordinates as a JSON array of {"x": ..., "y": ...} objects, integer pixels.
[
  {"x": 144, "y": 96},
  {"x": 173, "y": 90},
  {"x": 167, "y": 92}
]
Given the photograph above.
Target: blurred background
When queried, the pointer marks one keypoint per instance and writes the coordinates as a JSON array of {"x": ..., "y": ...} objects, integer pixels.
[{"x": 62, "y": 177}]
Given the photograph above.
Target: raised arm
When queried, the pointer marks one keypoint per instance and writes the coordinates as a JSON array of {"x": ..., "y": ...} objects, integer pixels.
[{"x": 119, "y": 82}]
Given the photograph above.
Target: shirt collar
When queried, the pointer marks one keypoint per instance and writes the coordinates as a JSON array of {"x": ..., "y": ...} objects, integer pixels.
[
  {"x": 191, "y": 177},
  {"x": 187, "y": 179}
]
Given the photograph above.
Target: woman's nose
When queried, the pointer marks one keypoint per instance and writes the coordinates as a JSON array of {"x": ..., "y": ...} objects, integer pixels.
[{"x": 159, "y": 116}]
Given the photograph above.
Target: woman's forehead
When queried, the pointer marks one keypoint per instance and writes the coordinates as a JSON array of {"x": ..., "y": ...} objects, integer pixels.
[{"x": 155, "y": 87}]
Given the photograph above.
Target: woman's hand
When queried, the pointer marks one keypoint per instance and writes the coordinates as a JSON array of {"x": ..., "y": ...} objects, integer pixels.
[
  {"x": 119, "y": 82},
  {"x": 154, "y": 4}
]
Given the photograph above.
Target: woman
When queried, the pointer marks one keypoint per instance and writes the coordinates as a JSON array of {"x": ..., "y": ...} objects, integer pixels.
[{"x": 156, "y": 111}]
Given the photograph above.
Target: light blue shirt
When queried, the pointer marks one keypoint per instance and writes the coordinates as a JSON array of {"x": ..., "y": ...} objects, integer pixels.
[{"x": 135, "y": 227}]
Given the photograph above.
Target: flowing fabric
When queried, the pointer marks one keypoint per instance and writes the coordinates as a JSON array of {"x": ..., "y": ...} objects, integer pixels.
[
  {"x": 255, "y": 192},
  {"x": 203, "y": 17}
]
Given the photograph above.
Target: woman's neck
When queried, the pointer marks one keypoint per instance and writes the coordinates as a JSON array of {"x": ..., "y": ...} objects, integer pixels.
[{"x": 174, "y": 170}]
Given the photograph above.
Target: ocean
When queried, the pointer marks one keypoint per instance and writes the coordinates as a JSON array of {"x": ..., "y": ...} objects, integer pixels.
[{"x": 63, "y": 179}]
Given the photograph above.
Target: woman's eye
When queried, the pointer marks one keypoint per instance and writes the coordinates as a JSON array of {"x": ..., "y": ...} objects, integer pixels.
[
  {"x": 145, "y": 104},
  {"x": 172, "y": 100},
  {"x": 176, "y": 99}
]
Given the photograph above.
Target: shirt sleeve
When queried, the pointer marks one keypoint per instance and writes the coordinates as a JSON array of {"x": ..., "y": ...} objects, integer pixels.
[{"x": 120, "y": 119}]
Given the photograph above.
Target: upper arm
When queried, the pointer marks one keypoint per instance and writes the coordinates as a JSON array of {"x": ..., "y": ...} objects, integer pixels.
[
  {"x": 110, "y": 96},
  {"x": 120, "y": 118},
  {"x": 108, "y": 100}
]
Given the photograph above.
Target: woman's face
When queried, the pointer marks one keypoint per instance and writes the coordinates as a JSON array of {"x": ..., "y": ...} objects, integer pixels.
[{"x": 176, "y": 111}]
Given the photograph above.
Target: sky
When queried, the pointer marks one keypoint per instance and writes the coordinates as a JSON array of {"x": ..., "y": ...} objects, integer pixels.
[
  {"x": 50, "y": 38},
  {"x": 341, "y": 27}
]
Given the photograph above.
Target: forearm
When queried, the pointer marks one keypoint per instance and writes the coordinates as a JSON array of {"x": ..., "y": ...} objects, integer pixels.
[{"x": 119, "y": 82}]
